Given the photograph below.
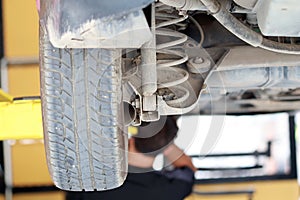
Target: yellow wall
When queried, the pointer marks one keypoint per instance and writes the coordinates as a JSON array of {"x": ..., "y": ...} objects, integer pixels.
[
  {"x": 40, "y": 196},
  {"x": 264, "y": 190},
  {"x": 20, "y": 20},
  {"x": 23, "y": 80},
  {"x": 29, "y": 164},
  {"x": 21, "y": 41},
  {"x": 20, "y": 28}
]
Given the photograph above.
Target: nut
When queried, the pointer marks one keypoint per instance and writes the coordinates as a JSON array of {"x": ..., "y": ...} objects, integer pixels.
[{"x": 199, "y": 65}]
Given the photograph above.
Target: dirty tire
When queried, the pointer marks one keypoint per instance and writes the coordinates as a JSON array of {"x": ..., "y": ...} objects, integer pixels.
[{"x": 84, "y": 133}]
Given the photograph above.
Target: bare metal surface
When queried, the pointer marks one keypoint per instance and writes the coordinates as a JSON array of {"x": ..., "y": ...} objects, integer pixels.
[
  {"x": 279, "y": 18},
  {"x": 250, "y": 90},
  {"x": 249, "y": 4},
  {"x": 258, "y": 106},
  {"x": 4, "y": 75},
  {"x": 148, "y": 67},
  {"x": 185, "y": 4},
  {"x": 149, "y": 103},
  {"x": 278, "y": 78},
  {"x": 8, "y": 173},
  {"x": 198, "y": 65},
  {"x": 249, "y": 57}
]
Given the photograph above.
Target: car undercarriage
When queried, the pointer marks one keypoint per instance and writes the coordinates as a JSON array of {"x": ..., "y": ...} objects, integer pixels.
[{"x": 124, "y": 63}]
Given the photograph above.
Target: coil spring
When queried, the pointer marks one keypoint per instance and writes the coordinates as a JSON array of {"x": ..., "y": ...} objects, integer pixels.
[{"x": 166, "y": 19}]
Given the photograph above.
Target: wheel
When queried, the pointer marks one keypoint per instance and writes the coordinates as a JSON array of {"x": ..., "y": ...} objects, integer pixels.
[{"x": 85, "y": 139}]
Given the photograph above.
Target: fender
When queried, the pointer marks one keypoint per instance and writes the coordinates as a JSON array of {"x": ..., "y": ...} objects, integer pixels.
[{"x": 95, "y": 24}]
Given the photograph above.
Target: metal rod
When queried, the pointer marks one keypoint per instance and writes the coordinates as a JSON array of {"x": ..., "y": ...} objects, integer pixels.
[
  {"x": 23, "y": 61},
  {"x": 229, "y": 168},
  {"x": 255, "y": 153},
  {"x": 148, "y": 67},
  {"x": 8, "y": 174},
  {"x": 229, "y": 192}
]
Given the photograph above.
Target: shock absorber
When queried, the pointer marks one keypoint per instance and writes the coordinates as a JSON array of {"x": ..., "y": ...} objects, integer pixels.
[
  {"x": 170, "y": 54},
  {"x": 161, "y": 73}
]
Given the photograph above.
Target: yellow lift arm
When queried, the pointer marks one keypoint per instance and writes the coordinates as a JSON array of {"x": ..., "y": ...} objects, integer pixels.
[{"x": 20, "y": 119}]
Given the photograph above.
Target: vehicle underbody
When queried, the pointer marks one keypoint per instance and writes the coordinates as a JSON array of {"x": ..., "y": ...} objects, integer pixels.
[{"x": 175, "y": 57}]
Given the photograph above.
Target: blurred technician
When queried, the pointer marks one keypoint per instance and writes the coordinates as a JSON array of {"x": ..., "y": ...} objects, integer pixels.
[{"x": 143, "y": 182}]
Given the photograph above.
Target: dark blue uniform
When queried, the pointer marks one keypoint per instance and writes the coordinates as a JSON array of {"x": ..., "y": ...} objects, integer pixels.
[{"x": 171, "y": 185}]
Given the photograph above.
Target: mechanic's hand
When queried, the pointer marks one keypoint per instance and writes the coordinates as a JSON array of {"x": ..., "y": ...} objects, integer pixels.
[{"x": 178, "y": 158}]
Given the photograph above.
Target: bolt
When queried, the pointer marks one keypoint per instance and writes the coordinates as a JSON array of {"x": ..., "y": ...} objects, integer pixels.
[
  {"x": 199, "y": 65},
  {"x": 198, "y": 60}
]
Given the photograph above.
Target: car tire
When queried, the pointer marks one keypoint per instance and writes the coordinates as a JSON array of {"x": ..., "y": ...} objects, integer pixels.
[{"x": 84, "y": 134}]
